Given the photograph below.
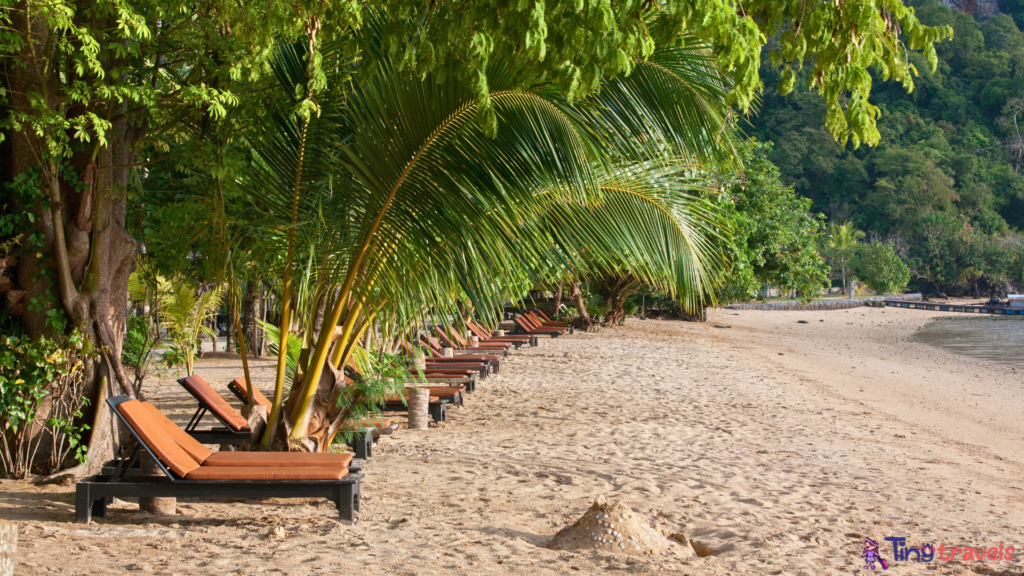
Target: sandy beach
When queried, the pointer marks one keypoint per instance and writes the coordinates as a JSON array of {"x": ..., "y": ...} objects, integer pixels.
[{"x": 773, "y": 446}]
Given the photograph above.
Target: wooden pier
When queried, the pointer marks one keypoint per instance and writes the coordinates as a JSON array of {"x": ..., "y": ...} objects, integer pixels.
[{"x": 1000, "y": 310}]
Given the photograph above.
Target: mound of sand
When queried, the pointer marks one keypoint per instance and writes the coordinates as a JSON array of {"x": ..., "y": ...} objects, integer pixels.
[{"x": 612, "y": 528}]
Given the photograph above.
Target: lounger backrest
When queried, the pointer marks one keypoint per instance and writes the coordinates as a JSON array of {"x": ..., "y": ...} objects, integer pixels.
[
  {"x": 213, "y": 401},
  {"x": 525, "y": 323},
  {"x": 257, "y": 397},
  {"x": 435, "y": 346},
  {"x": 166, "y": 450},
  {"x": 445, "y": 338},
  {"x": 195, "y": 449},
  {"x": 477, "y": 330},
  {"x": 409, "y": 348},
  {"x": 458, "y": 338}
]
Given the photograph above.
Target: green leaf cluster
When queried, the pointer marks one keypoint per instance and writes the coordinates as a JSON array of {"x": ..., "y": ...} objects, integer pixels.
[
  {"x": 774, "y": 234},
  {"x": 878, "y": 266},
  {"x": 39, "y": 392},
  {"x": 944, "y": 184}
]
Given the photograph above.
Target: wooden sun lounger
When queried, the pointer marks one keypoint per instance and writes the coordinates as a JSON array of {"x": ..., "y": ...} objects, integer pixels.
[
  {"x": 437, "y": 404},
  {"x": 234, "y": 428},
  {"x": 493, "y": 360},
  {"x": 451, "y": 376},
  {"x": 130, "y": 466},
  {"x": 298, "y": 475},
  {"x": 484, "y": 335},
  {"x": 455, "y": 341},
  {"x": 482, "y": 368},
  {"x": 362, "y": 444},
  {"x": 543, "y": 322},
  {"x": 527, "y": 326}
]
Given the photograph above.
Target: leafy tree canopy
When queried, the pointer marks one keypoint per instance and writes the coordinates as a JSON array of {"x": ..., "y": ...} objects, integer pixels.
[
  {"x": 944, "y": 185},
  {"x": 774, "y": 235},
  {"x": 577, "y": 43}
]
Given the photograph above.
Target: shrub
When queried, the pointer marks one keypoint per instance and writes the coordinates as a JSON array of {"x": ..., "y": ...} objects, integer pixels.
[
  {"x": 136, "y": 352},
  {"x": 41, "y": 385},
  {"x": 878, "y": 266}
]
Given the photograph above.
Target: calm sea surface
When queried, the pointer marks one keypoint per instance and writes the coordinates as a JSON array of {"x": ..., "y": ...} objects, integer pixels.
[{"x": 994, "y": 338}]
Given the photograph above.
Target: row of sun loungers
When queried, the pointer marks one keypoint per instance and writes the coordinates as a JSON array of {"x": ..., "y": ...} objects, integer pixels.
[{"x": 190, "y": 469}]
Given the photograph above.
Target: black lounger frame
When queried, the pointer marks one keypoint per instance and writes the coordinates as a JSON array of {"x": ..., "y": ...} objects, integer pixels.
[{"x": 93, "y": 493}]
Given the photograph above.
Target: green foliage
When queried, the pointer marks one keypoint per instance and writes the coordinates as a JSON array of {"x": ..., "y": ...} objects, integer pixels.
[
  {"x": 382, "y": 375},
  {"x": 184, "y": 312},
  {"x": 878, "y": 266},
  {"x": 774, "y": 234},
  {"x": 274, "y": 344},
  {"x": 944, "y": 185},
  {"x": 838, "y": 246},
  {"x": 41, "y": 373},
  {"x": 577, "y": 43},
  {"x": 137, "y": 347}
]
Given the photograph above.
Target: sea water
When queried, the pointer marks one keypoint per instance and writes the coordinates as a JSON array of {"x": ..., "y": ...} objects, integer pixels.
[{"x": 997, "y": 339}]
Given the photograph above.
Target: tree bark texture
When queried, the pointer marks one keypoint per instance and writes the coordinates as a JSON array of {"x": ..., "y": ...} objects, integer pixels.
[
  {"x": 558, "y": 300},
  {"x": 250, "y": 312},
  {"x": 583, "y": 320},
  {"x": 616, "y": 291},
  {"x": 85, "y": 257},
  {"x": 166, "y": 506},
  {"x": 419, "y": 403}
]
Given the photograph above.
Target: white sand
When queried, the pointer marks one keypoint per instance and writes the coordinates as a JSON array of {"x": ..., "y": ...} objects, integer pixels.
[{"x": 768, "y": 464}]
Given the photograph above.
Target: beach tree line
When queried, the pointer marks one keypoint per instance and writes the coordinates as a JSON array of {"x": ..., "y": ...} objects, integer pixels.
[
  {"x": 943, "y": 187},
  {"x": 361, "y": 170}
]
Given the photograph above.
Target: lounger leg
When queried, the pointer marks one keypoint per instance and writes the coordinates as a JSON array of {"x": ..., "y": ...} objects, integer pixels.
[
  {"x": 348, "y": 502},
  {"x": 439, "y": 412},
  {"x": 363, "y": 445},
  {"x": 83, "y": 504},
  {"x": 99, "y": 507}
]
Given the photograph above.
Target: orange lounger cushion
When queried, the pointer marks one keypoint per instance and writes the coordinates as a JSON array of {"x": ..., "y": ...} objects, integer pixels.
[
  {"x": 207, "y": 457},
  {"x": 154, "y": 436},
  {"x": 209, "y": 397},
  {"x": 257, "y": 397},
  {"x": 267, "y": 473},
  {"x": 278, "y": 459},
  {"x": 193, "y": 447}
]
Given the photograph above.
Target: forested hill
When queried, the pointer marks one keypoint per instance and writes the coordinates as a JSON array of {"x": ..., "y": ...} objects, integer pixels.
[{"x": 946, "y": 182}]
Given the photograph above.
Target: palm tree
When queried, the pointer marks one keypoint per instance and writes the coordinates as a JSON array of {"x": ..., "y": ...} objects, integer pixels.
[
  {"x": 841, "y": 241},
  {"x": 410, "y": 205},
  {"x": 184, "y": 311}
]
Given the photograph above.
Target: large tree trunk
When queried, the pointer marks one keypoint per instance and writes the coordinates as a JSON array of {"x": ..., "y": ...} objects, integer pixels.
[
  {"x": 85, "y": 256},
  {"x": 583, "y": 320},
  {"x": 616, "y": 291}
]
